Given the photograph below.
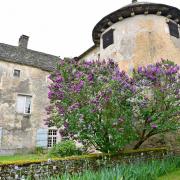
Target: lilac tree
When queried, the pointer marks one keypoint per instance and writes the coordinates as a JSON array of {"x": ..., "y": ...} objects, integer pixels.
[
  {"x": 91, "y": 101},
  {"x": 156, "y": 107},
  {"x": 101, "y": 106}
]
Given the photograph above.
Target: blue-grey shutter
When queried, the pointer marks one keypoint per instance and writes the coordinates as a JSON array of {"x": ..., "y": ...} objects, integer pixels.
[
  {"x": 42, "y": 137},
  {"x": 0, "y": 136}
]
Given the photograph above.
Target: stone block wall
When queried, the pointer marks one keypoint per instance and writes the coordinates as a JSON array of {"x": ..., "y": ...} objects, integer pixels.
[
  {"x": 19, "y": 130},
  {"x": 44, "y": 169}
]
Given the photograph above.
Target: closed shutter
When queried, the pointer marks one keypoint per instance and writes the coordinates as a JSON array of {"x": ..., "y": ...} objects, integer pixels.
[
  {"x": 0, "y": 136},
  {"x": 42, "y": 137}
]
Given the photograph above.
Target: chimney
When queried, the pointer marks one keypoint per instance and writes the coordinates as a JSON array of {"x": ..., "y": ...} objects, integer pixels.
[{"x": 23, "y": 41}]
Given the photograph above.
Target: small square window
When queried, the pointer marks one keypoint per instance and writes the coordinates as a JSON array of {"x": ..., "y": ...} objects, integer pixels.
[
  {"x": 16, "y": 73},
  {"x": 108, "y": 38}
]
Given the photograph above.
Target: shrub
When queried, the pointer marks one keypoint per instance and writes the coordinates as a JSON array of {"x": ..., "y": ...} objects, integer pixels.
[
  {"x": 90, "y": 99},
  {"x": 65, "y": 148},
  {"x": 38, "y": 150},
  {"x": 101, "y": 106}
]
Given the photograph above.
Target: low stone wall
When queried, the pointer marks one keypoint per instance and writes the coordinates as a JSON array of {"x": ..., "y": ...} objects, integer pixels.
[{"x": 36, "y": 169}]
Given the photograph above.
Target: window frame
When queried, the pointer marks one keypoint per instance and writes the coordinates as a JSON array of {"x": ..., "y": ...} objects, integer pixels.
[
  {"x": 52, "y": 138},
  {"x": 108, "y": 34},
  {"x": 24, "y": 104}
]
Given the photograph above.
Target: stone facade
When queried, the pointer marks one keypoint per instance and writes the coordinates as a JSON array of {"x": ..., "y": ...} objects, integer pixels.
[
  {"x": 91, "y": 54},
  {"x": 141, "y": 36},
  {"x": 23, "y": 97},
  {"x": 141, "y": 40}
]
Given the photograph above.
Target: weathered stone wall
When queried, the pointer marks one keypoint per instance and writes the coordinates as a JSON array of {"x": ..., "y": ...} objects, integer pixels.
[
  {"x": 138, "y": 41},
  {"x": 92, "y": 55},
  {"x": 19, "y": 130},
  {"x": 52, "y": 168},
  {"x": 141, "y": 40}
]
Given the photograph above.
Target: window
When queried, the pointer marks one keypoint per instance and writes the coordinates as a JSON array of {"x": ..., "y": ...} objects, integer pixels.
[
  {"x": 52, "y": 137},
  {"x": 16, "y": 73},
  {"x": 173, "y": 29},
  {"x": 23, "y": 104},
  {"x": 108, "y": 38}
]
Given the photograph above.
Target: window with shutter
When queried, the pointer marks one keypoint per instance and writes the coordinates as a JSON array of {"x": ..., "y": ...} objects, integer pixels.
[
  {"x": 173, "y": 29},
  {"x": 108, "y": 38}
]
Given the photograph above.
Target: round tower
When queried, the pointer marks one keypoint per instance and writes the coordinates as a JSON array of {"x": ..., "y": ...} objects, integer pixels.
[{"x": 139, "y": 34}]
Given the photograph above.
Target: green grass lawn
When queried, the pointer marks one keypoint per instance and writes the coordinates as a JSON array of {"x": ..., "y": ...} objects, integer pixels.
[
  {"x": 20, "y": 157},
  {"x": 171, "y": 176}
]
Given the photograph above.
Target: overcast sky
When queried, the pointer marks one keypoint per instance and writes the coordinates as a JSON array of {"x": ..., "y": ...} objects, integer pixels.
[{"x": 58, "y": 27}]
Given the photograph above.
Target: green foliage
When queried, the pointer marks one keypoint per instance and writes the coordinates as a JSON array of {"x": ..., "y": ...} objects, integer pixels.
[
  {"x": 175, "y": 175},
  {"x": 90, "y": 99},
  {"x": 38, "y": 150},
  {"x": 64, "y": 148},
  {"x": 105, "y": 108},
  {"x": 150, "y": 170}
]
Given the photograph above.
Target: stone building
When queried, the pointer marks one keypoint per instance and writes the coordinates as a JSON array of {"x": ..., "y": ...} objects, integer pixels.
[
  {"x": 138, "y": 34},
  {"x": 23, "y": 97}
]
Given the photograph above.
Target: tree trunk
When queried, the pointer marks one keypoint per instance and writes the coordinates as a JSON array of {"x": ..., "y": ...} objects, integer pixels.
[
  {"x": 138, "y": 144},
  {"x": 143, "y": 140}
]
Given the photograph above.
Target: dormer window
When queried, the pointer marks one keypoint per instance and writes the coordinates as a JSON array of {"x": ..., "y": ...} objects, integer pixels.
[
  {"x": 108, "y": 38},
  {"x": 173, "y": 29},
  {"x": 16, "y": 73}
]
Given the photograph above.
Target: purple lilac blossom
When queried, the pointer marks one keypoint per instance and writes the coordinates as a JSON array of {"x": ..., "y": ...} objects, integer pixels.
[{"x": 154, "y": 126}]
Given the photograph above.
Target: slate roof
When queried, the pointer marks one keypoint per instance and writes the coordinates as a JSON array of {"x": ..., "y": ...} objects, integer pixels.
[
  {"x": 132, "y": 10},
  {"x": 24, "y": 56}
]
